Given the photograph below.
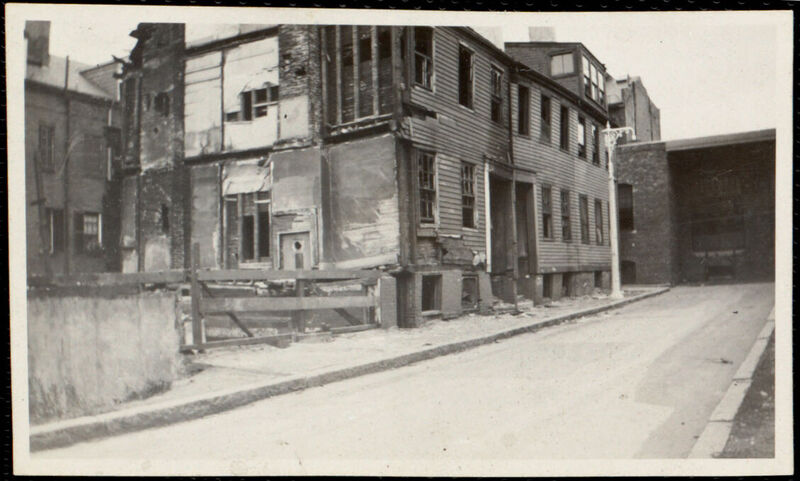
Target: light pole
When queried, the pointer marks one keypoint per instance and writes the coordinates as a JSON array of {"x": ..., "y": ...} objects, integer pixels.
[{"x": 611, "y": 138}]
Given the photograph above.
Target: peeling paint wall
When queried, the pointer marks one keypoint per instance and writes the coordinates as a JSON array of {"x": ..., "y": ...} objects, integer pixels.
[
  {"x": 203, "y": 104},
  {"x": 364, "y": 205},
  {"x": 205, "y": 224}
]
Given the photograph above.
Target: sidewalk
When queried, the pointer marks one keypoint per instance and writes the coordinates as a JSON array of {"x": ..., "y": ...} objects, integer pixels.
[{"x": 228, "y": 378}]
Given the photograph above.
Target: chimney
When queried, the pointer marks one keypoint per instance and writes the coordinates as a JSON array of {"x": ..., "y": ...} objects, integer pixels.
[
  {"x": 541, "y": 34},
  {"x": 37, "y": 33}
]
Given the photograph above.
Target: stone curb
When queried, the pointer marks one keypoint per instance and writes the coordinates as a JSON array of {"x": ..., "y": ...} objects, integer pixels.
[
  {"x": 65, "y": 433},
  {"x": 715, "y": 435}
]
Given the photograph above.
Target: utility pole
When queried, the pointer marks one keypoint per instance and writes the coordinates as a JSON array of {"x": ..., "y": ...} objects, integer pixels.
[{"x": 611, "y": 138}]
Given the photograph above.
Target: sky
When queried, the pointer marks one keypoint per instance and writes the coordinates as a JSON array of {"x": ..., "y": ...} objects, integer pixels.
[{"x": 707, "y": 76}]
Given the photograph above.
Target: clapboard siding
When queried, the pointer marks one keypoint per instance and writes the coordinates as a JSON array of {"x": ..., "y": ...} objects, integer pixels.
[
  {"x": 458, "y": 134},
  {"x": 563, "y": 170}
]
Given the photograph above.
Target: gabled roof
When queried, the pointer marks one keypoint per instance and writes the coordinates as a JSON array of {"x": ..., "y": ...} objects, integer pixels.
[{"x": 53, "y": 75}]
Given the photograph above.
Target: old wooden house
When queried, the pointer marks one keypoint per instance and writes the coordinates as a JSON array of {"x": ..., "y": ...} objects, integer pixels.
[{"x": 399, "y": 148}]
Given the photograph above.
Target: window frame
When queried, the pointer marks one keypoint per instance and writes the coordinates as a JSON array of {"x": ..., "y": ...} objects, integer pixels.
[
  {"x": 628, "y": 209},
  {"x": 595, "y": 144},
  {"x": 463, "y": 48},
  {"x": 581, "y": 136},
  {"x": 55, "y": 236},
  {"x": 429, "y": 62},
  {"x": 269, "y": 101},
  {"x": 547, "y": 210},
  {"x": 587, "y": 80},
  {"x": 256, "y": 213},
  {"x": 523, "y": 114},
  {"x": 545, "y": 122},
  {"x": 433, "y": 188},
  {"x": 472, "y": 183},
  {"x": 47, "y": 164},
  {"x": 583, "y": 211},
  {"x": 83, "y": 244},
  {"x": 496, "y": 83},
  {"x": 599, "y": 229},
  {"x": 563, "y": 133},
  {"x": 566, "y": 215},
  {"x": 562, "y": 55}
]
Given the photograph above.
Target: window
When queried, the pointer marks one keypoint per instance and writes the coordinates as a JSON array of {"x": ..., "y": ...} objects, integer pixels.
[
  {"x": 423, "y": 56},
  {"x": 601, "y": 97},
  {"x": 88, "y": 232},
  {"x": 161, "y": 104},
  {"x": 625, "y": 201},
  {"x": 431, "y": 294},
  {"x": 523, "y": 110},
  {"x": 365, "y": 87},
  {"x": 561, "y": 64},
  {"x": 55, "y": 222},
  {"x": 164, "y": 219},
  {"x": 564, "y": 133},
  {"x": 426, "y": 167},
  {"x": 581, "y": 137},
  {"x": 593, "y": 75},
  {"x": 566, "y": 228},
  {"x": 255, "y": 103},
  {"x": 467, "y": 195},
  {"x": 46, "y": 147},
  {"x": 595, "y": 145},
  {"x": 598, "y": 221},
  {"x": 465, "y": 76},
  {"x": 587, "y": 79},
  {"x": 583, "y": 204},
  {"x": 544, "y": 134},
  {"x": 547, "y": 212},
  {"x": 254, "y": 225},
  {"x": 469, "y": 293},
  {"x": 497, "y": 95}
]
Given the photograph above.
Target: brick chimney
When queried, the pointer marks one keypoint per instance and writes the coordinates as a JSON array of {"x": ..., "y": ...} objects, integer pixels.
[
  {"x": 541, "y": 34},
  {"x": 37, "y": 33}
]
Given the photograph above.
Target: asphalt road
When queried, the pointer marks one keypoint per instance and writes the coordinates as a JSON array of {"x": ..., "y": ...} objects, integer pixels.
[{"x": 637, "y": 382}]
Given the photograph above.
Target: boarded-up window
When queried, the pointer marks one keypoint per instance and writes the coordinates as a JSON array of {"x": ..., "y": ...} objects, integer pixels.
[
  {"x": 467, "y": 195},
  {"x": 465, "y": 76},
  {"x": 583, "y": 204},
  {"x": 598, "y": 222},
  {"x": 523, "y": 110},
  {"x": 497, "y": 95},
  {"x": 625, "y": 201},
  {"x": 545, "y": 114},
  {"x": 46, "y": 147},
  {"x": 566, "y": 227},
  {"x": 423, "y": 56},
  {"x": 564, "y": 132},
  {"x": 426, "y": 168},
  {"x": 547, "y": 212}
]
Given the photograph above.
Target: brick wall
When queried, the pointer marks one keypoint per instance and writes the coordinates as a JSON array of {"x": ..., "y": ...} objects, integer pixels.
[{"x": 650, "y": 244}]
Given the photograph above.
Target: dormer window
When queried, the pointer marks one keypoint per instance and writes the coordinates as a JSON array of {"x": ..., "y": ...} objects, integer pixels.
[
  {"x": 562, "y": 64},
  {"x": 594, "y": 86}
]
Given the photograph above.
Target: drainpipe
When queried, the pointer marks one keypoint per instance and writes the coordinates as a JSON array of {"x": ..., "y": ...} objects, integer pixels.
[{"x": 67, "y": 217}]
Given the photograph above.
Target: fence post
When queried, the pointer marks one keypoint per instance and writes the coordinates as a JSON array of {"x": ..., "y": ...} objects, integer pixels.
[
  {"x": 298, "y": 317},
  {"x": 197, "y": 326}
]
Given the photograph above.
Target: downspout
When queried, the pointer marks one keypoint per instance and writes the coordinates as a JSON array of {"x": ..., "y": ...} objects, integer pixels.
[{"x": 67, "y": 216}]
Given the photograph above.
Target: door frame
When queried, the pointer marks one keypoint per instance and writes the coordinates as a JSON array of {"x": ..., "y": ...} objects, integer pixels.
[{"x": 280, "y": 247}]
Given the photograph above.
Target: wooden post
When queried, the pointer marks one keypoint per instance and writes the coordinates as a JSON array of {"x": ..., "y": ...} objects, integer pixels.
[
  {"x": 197, "y": 326},
  {"x": 299, "y": 317}
]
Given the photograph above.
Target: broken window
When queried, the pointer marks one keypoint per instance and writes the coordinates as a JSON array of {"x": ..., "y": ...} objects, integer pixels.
[
  {"x": 426, "y": 168},
  {"x": 523, "y": 110},
  {"x": 595, "y": 145},
  {"x": 547, "y": 212},
  {"x": 88, "y": 232},
  {"x": 598, "y": 221},
  {"x": 384, "y": 70},
  {"x": 544, "y": 133},
  {"x": 469, "y": 293},
  {"x": 467, "y": 195},
  {"x": 564, "y": 132},
  {"x": 581, "y": 137},
  {"x": 347, "y": 74},
  {"x": 46, "y": 147},
  {"x": 465, "y": 76},
  {"x": 366, "y": 88},
  {"x": 497, "y": 95},
  {"x": 583, "y": 204},
  {"x": 423, "y": 56},
  {"x": 248, "y": 222},
  {"x": 55, "y": 223},
  {"x": 431, "y": 294},
  {"x": 625, "y": 201},
  {"x": 255, "y": 103},
  {"x": 566, "y": 228},
  {"x": 561, "y": 64}
]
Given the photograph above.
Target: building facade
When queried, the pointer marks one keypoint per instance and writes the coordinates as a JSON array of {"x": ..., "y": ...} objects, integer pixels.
[
  {"x": 630, "y": 105},
  {"x": 71, "y": 161},
  {"x": 698, "y": 210},
  {"x": 317, "y": 147}
]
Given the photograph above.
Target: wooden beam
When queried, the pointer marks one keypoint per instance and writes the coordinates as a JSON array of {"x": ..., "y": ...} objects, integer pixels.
[
  {"x": 373, "y": 31},
  {"x": 197, "y": 326},
  {"x": 231, "y": 315},
  {"x": 356, "y": 68},
  {"x": 253, "y": 304},
  {"x": 347, "y": 329},
  {"x": 324, "y": 55},
  {"x": 244, "y": 341},
  {"x": 110, "y": 279},
  {"x": 281, "y": 275},
  {"x": 351, "y": 319}
]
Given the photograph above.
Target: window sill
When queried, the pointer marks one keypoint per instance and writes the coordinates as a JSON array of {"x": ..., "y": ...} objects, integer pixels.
[
  {"x": 468, "y": 109},
  {"x": 418, "y": 86}
]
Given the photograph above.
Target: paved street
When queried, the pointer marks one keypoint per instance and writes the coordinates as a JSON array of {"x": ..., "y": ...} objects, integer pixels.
[{"x": 637, "y": 382}]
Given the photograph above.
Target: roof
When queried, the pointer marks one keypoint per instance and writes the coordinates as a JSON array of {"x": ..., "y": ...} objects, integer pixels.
[
  {"x": 720, "y": 140},
  {"x": 53, "y": 75},
  {"x": 556, "y": 44}
]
